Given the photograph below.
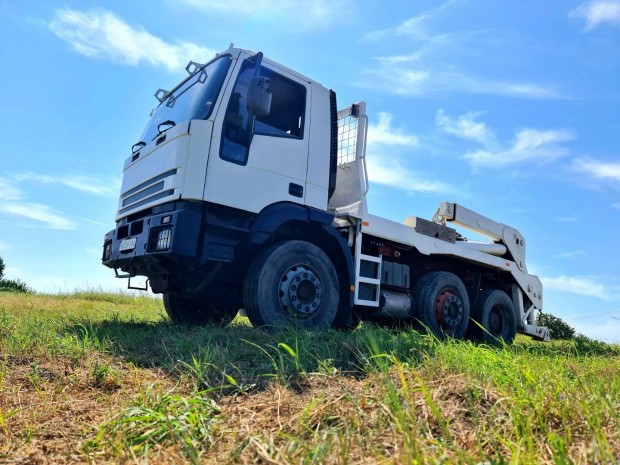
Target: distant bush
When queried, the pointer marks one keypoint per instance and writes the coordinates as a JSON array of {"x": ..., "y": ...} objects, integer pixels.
[
  {"x": 14, "y": 285},
  {"x": 558, "y": 328},
  {"x": 11, "y": 285}
]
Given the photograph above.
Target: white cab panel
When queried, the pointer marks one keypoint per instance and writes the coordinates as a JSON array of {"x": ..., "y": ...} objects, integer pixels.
[
  {"x": 245, "y": 187},
  {"x": 320, "y": 136},
  {"x": 158, "y": 170},
  {"x": 316, "y": 196},
  {"x": 197, "y": 159}
]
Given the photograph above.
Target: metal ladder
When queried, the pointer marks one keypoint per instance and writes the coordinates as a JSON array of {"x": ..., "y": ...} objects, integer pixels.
[{"x": 373, "y": 281}]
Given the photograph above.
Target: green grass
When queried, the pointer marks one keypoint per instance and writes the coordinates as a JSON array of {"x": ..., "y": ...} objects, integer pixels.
[
  {"x": 106, "y": 377},
  {"x": 170, "y": 420}
]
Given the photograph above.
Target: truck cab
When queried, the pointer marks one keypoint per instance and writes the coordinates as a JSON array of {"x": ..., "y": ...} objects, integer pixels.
[{"x": 212, "y": 178}]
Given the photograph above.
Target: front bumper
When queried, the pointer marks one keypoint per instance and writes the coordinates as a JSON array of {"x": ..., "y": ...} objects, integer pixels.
[
  {"x": 179, "y": 246},
  {"x": 163, "y": 239}
]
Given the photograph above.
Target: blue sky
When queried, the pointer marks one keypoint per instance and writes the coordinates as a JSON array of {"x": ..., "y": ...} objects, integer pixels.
[{"x": 509, "y": 108}]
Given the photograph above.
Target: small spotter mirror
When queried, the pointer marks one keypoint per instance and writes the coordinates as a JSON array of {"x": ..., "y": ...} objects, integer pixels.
[
  {"x": 160, "y": 95},
  {"x": 193, "y": 67}
]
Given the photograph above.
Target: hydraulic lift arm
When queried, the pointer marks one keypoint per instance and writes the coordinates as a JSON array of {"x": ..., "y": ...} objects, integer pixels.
[{"x": 498, "y": 232}]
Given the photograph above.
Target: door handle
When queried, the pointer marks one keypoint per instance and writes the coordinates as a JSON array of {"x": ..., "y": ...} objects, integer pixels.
[{"x": 295, "y": 190}]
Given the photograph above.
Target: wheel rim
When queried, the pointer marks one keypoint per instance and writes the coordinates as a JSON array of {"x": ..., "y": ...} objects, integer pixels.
[
  {"x": 448, "y": 310},
  {"x": 496, "y": 322},
  {"x": 300, "y": 292}
]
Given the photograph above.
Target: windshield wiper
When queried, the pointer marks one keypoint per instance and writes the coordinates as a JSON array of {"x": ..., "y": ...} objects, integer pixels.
[
  {"x": 137, "y": 146},
  {"x": 168, "y": 123}
]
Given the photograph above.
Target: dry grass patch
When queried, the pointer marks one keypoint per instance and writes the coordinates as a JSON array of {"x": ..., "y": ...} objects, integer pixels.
[{"x": 49, "y": 406}]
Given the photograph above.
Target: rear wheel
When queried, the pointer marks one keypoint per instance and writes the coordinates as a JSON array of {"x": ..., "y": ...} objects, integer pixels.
[
  {"x": 441, "y": 303},
  {"x": 495, "y": 313},
  {"x": 183, "y": 310},
  {"x": 291, "y": 282}
]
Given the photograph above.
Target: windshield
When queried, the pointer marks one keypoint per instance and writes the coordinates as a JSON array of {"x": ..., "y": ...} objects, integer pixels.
[{"x": 194, "y": 99}]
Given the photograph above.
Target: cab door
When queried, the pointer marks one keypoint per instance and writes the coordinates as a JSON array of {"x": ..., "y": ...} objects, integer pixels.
[{"x": 252, "y": 171}]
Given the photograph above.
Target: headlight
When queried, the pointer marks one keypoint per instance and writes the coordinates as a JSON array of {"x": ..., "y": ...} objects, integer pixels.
[
  {"x": 160, "y": 239},
  {"x": 107, "y": 251}
]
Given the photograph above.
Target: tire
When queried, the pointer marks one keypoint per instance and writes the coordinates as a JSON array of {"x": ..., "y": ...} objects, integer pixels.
[
  {"x": 183, "y": 310},
  {"x": 441, "y": 303},
  {"x": 495, "y": 312},
  {"x": 291, "y": 283}
]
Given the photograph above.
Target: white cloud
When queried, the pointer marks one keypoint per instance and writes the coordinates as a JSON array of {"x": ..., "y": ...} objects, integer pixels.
[
  {"x": 608, "y": 330},
  {"x": 590, "y": 286},
  {"x": 400, "y": 59},
  {"x": 396, "y": 76},
  {"x": 437, "y": 65},
  {"x": 100, "y": 33},
  {"x": 417, "y": 74},
  {"x": 398, "y": 80},
  {"x": 570, "y": 254},
  {"x": 465, "y": 127},
  {"x": 597, "y": 12},
  {"x": 514, "y": 89},
  {"x": 38, "y": 212},
  {"x": 530, "y": 145},
  {"x": 567, "y": 219},
  {"x": 616, "y": 205},
  {"x": 399, "y": 176},
  {"x": 88, "y": 184},
  {"x": 416, "y": 28},
  {"x": 384, "y": 133},
  {"x": 12, "y": 202},
  {"x": 312, "y": 15},
  {"x": 394, "y": 170},
  {"x": 598, "y": 169},
  {"x": 8, "y": 191}
]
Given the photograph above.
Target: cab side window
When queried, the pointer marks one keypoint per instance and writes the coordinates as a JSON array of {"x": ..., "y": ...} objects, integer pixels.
[
  {"x": 286, "y": 118},
  {"x": 288, "y": 108}
]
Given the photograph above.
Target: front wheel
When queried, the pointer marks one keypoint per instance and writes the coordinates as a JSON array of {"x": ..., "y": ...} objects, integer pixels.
[
  {"x": 292, "y": 282},
  {"x": 441, "y": 303},
  {"x": 183, "y": 310}
]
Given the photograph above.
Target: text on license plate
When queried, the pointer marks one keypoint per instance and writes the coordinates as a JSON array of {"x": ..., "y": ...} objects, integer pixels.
[{"x": 127, "y": 244}]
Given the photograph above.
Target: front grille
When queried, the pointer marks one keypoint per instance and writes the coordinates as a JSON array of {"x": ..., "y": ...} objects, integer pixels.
[
  {"x": 148, "y": 183},
  {"x": 146, "y": 192}
]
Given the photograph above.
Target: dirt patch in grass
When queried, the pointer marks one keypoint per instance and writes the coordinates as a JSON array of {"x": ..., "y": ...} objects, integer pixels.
[{"x": 48, "y": 406}]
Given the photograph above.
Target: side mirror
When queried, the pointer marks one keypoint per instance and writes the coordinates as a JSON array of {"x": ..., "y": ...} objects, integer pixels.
[
  {"x": 259, "y": 96},
  {"x": 239, "y": 125}
]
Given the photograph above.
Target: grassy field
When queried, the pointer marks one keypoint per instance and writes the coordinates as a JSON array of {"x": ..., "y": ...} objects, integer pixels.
[{"x": 104, "y": 378}]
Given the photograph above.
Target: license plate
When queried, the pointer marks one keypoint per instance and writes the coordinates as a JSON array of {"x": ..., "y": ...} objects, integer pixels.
[{"x": 127, "y": 244}]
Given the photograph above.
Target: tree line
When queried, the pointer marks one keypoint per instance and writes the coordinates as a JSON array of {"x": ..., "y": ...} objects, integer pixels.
[{"x": 11, "y": 285}]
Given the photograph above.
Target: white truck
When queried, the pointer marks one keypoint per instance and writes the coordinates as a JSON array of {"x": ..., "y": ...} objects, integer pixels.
[{"x": 248, "y": 190}]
